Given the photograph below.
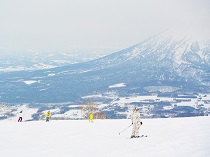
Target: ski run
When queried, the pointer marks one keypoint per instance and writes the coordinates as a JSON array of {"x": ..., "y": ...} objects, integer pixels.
[{"x": 172, "y": 137}]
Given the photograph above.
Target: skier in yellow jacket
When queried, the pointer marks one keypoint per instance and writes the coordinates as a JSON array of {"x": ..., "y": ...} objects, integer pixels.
[
  {"x": 91, "y": 117},
  {"x": 48, "y": 116}
]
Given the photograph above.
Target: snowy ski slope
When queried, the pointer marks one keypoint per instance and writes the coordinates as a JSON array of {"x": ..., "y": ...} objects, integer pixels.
[{"x": 178, "y": 137}]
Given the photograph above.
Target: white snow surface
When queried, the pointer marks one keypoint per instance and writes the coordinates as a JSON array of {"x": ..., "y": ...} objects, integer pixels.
[
  {"x": 29, "y": 82},
  {"x": 119, "y": 85},
  {"x": 178, "y": 137}
]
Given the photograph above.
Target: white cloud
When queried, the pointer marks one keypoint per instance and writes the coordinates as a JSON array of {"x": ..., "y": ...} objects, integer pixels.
[{"x": 65, "y": 24}]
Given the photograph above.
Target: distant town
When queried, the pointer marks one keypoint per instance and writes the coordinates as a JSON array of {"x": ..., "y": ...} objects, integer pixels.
[{"x": 110, "y": 106}]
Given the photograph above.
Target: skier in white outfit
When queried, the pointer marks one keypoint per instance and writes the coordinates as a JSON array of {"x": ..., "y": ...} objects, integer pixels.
[
  {"x": 136, "y": 121},
  {"x": 20, "y": 116}
]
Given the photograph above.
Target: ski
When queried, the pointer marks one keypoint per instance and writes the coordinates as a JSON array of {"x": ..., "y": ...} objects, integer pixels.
[{"x": 141, "y": 136}]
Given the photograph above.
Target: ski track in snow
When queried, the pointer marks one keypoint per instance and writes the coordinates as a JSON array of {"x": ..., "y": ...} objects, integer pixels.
[{"x": 178, "y": 137}]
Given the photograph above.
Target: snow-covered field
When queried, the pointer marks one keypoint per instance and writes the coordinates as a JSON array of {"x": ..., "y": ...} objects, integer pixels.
[{"x": 178, "y": 137}]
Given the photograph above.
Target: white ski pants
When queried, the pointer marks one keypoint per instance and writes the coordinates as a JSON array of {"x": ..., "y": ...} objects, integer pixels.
[{"x": 135, "y": 131}]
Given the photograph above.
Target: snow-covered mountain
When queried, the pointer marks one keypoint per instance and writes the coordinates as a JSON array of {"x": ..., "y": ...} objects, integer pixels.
[
  {"x": 174, "y": 62},
  {"x": 176, "y": 55},
  {"x": 178, "y": 137}
]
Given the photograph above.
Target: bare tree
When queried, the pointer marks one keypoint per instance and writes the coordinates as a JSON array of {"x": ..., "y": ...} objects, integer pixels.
[
  {"x": 88, "y": 107},
  {"x": 99, "y": 115}
]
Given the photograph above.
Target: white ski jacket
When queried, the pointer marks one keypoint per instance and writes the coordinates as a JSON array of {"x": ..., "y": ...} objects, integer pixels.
[
  {"x": 136, "y": 117},
  {"x": 20, "y": 114}
]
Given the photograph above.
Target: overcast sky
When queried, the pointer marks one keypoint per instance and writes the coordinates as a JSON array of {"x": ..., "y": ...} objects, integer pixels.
[{"x": 63, "y": 25}]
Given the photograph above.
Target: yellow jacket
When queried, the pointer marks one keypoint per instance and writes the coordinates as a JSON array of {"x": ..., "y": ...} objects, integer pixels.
[
  {"x": 48, "y": 115},
  {"x": 91, "y": 116}
]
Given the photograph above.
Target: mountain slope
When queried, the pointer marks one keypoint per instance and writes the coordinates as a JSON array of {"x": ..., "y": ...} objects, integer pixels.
[{"x": 179, "y": 59}]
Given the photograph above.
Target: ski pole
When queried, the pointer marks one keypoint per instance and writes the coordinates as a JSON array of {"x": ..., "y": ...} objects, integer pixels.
[{"x": 125, "y": 129}]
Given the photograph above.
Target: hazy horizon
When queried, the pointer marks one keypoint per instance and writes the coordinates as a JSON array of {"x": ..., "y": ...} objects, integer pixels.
[{"x": 63, "y": 25}]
